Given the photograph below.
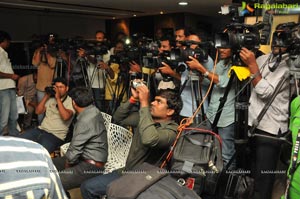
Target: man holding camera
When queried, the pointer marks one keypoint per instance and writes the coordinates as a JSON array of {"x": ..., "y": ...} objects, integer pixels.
[
  {"x": 267, "y": 71},
  {"x": 154, "y": 132},
  {"x": 97, "y": 69},
  {"x": 58, "y": 109},
  {"x": 88, "y": 148}
]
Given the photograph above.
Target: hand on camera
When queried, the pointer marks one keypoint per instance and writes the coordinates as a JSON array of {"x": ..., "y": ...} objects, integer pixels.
[
  {"x": 134, "y": 67},
  {"x": 194, "y": 64},
  {"x": 248, "y": 57},
  {"x": 57, "y": 94},
  {"x": 143, "y": 95},
  {"x": 166, "y": 69},
  {"x": 81, "y": 52},
  {"x": 102, "y": 65}
]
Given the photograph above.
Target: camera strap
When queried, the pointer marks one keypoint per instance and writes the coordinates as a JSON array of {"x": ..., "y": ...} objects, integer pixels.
[{"x": 62, "y": 101}]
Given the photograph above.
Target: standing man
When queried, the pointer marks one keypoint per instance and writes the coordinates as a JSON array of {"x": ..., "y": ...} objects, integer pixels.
[
  {"x": 8, "y": 103},
  {"x": 267, "y": 71},
  {"x": 57, "y": 106},
  {"x": 88, "y": 148},
  {"x": 96, "y": 72},
  {"x": 225, "y": 125}
]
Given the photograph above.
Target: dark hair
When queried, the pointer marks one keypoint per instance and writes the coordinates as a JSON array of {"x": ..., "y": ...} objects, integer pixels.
[
  {"x": 186, "y": 30},
  {"x": 100, "y": 31},
  {"x": 168, "y": 38},
  {"x": 174, "y": 101},
  {"x": 82, "y": 96},
  {"x": 4, "y": 36},
  {"x": 61, "y": 80}
]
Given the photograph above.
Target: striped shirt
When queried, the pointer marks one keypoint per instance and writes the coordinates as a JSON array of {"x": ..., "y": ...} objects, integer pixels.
[{"x": 27, "y": 171}]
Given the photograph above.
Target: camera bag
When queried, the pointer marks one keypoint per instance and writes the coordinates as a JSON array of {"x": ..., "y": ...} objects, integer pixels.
[
  {"x": 197, "y": 160},
  {"x": 148, "y": 182}
]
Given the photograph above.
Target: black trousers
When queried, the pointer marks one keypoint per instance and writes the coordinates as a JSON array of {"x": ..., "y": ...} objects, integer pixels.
[
  {"x": 72, "y": 177},
  {"x": 265, "y": 158}
]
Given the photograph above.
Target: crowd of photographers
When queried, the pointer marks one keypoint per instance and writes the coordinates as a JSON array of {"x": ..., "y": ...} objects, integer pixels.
[{"x": 180, "y": 64}]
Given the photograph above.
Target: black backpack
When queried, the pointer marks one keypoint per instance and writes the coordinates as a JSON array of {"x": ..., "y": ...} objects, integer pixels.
[
  {"x": 197, "y": 160},
  {"x": 148, "y": 182}
]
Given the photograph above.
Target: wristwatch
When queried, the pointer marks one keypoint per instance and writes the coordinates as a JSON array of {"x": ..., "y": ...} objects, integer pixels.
[{"x": 206, "y": 74}]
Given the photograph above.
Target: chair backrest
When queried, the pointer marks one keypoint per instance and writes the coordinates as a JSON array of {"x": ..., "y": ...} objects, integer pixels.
[
  {"x": 119, "y": 142},
  {"x": 107, "y": 119}
]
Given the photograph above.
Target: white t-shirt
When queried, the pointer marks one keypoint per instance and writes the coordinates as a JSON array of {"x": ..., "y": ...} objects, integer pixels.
[{"x": 6, "y": 67}]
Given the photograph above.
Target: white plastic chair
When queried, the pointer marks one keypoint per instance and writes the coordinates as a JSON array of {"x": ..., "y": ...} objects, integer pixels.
[
  {"x": 107, "y": 120},
  {"x": 119, "y": 142}
]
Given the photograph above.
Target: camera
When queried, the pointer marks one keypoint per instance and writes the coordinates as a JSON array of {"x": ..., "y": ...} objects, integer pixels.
[
  {"x": 50, "y": 90},
  {"x": 237, "y": 35},
  {"x": 136, "y": 83},
  {"x": 96, "y": 48}
]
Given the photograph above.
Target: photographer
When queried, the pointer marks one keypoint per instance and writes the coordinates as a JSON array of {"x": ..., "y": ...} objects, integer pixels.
[
  {"x": 267, "y": 71},
  {"x": 225, "y": 125},
  {"x": 154, "y": 132},
  {"x": 97, "y": 69},
  {"x": 58, "y": 109},
  {"x": 45, "y": 60}
]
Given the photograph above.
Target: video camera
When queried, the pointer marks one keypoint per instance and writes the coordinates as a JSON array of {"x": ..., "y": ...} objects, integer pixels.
[
  {"x": 50, "y": 90},
  {"x": 236, "y": 36},
  {"x": 239, "y": 35},
  {"x": 287, "y": 35}
]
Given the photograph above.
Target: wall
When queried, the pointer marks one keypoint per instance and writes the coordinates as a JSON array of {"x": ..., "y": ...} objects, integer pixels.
[{"x": 23, "y": 24}]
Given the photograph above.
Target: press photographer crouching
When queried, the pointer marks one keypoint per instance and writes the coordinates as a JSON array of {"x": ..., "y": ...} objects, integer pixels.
[
  {"x": 268, "y": 71},
  {"x": 154, "y": 131},
  {"x": 58, "y": 109}
]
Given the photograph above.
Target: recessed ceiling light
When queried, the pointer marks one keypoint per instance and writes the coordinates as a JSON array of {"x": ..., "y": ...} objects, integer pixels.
[
  {"x": 183, "y": 3},
  {"x": 161, "y": 12},
  {"x": 134, "y": 15}
]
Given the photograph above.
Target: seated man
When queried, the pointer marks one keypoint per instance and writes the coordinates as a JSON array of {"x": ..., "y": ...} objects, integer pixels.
[
  {"x": 154, "y": 132},
  {"x": 88, "y": 147},
  {"x": 26, "y": 171},
  {"x": 58, "y": 117},
  {"x": 26, "y": 88}
]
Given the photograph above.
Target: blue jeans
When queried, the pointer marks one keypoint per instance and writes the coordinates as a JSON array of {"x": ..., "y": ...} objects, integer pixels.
[
  {"x": 8, "y": 111},
  {"x": 96, "y": 187},
  {"x": 47, "y": 140},
  {"x": 40, "y": 95},
  {"x": 228, "y": 147}
]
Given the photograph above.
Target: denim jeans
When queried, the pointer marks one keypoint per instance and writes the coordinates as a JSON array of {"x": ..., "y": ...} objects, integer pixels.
[
  {"x": 228, "y": 146},
  {"x": 96, "y": 187},
  {"x": 40, "y": 95},
  {"x": 47, "y": 140},
  {"x": 8, "y": 111}
]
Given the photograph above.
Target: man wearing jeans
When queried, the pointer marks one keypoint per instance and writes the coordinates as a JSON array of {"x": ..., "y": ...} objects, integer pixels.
[
  {"x": 8, "y": 104},
  {"x": 58, "y": 117},
  {"x": 225, "y": 125}
]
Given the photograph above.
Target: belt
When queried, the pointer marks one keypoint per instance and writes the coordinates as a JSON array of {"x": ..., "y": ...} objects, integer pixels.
[{"x": 97, "y": 164}]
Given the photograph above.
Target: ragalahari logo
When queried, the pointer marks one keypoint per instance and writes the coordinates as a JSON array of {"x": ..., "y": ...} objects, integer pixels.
[{"x": 246, "y": 9}]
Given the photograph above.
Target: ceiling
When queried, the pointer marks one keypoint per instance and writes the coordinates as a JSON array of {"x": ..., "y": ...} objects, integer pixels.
[{"x": 109, "y": 9}]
